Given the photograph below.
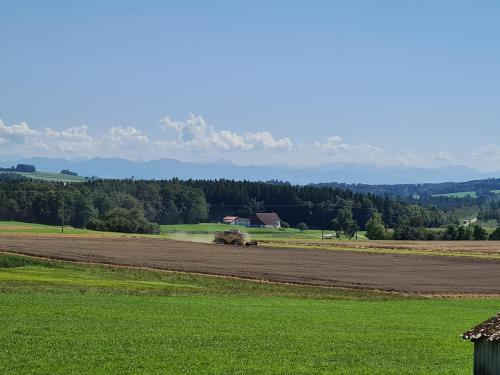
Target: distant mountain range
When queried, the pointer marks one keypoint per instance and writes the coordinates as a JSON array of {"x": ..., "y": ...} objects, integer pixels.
[{"x": 169, "y": 168}]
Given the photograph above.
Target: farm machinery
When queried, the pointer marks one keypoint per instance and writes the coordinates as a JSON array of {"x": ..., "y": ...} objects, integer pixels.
[{"x": 233, "y": 237}]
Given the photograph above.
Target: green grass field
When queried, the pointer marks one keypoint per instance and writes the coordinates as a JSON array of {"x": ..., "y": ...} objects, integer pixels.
[
  {"x": 207, "y": 229},
  {"x": 21, "y": 227},
  {"x": 47, "y": 176},
  {"x": 185, "y": 232},
  {"x": 489, "y": 225},
  {"x": 60, "y": 318},
  {"x": 200, "y": 232},
  {"x": 462, "y": 194}
]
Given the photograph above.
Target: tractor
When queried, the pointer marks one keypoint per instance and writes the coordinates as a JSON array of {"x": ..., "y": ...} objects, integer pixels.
[{"x": 233, "y": 237}]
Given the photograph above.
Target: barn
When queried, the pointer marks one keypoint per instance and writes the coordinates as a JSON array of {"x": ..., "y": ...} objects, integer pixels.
[
  {"x": 265, "y": 220},
  {"x": 486, "y": 339}
]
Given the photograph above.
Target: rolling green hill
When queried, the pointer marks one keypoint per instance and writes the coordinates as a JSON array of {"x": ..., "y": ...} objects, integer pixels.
[
  {"x": 462, "y": 194},
  {"x": 48, "y": 176}
]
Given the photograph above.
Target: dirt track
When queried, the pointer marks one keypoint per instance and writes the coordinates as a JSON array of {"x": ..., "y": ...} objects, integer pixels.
[{"x": 390, "y": 272}]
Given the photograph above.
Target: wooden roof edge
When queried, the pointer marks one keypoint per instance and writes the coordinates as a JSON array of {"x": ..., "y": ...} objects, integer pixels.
[{"x": 489, "y": 329}]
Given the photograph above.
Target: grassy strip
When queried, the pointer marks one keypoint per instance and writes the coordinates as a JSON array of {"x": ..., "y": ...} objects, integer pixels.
[
  {"x": 186, "y": 232},
  {"x": 22, "y": 227},
  {"x": 462, "y": 194},
  {"x": 381, "y": 250},
  {"x": 202, "y": 232}
]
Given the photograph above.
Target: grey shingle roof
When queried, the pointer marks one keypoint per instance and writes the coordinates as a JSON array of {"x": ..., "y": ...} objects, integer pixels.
[{"x": 489, "y": 330}]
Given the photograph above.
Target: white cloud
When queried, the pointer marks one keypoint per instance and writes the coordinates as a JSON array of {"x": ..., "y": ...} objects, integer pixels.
[
  {"x": 266, "y": 141},
  {"x": 184, "y": 139},
  {"x": 72, "y": 140},
  {"x": 336, "y": 144},
  {"x": 334, "y": 149},
  {"x": 488, "y": 152},
  {"x": 117, "y": 141},
  {"x": 331, "y": 143},
  {"x": 487, "y": 157},
  {"x": 167, "y": 123},
  {"x": 127, "y": 135},
  {"x": 17, "y": 133},
  {"x": 194, "y": 133},
  {"x": 194, "y": 138},
  {"x": 443, "y": 156},
  {"x": 73, "y": 134}
]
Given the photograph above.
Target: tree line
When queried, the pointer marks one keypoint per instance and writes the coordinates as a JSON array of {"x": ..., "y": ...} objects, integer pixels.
[
  {"x": 377, "y": 230},
  {"x": 312, "y": 205},
  {"x": 426, "y": 190},
  {"x": 141, "y": 206},
  {"x": 108, "y": 205},
  {"x": 27, "y": 168}
]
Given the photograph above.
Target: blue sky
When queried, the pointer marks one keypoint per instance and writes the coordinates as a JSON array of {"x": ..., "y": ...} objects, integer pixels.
[{"x": 384, "y": 82}]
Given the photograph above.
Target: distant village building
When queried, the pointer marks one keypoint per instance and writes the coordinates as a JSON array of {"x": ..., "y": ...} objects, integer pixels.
[
  {"x": 470, "y": 222},
  {"x": 230, "y": 220},
  {"x": 243, "y": 221},
  {"x": 265, "y": 220},
  {"x": 486, "y": 339}
]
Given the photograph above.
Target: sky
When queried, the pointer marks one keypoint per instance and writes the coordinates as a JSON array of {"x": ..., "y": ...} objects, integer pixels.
[{"x": 255, "y": 82}]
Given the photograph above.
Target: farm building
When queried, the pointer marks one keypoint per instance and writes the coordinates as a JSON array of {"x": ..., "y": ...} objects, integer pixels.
[
  {"x": 486, "y": 339},
  {"x": 469, "y": 222},
  {"x": 243, "y": 221},
  {"x": 265, "y": 220},
  {"x": 229, "y": 220}
]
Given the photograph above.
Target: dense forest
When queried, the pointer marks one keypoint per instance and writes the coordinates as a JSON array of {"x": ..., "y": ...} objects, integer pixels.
[
  {"x": 122, "y": 206},
  {"x": 309, "y": 204},
  {"x": 479, "y": 187},
  {"x": 140, "y": 206},
  {"x": 96, "y": 202}
]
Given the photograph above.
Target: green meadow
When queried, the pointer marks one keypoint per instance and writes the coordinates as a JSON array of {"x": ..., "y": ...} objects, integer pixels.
[
  {"x": 60, "y": 318},
  {"x": 48, "y": 176},
  {"x": 462, "y": 194},
  {"x": 206, "y": 230},
  {"x": 21, "y": 227},
  {"x": 188, "y": 232},
  {"x": 184, "y": 232}
]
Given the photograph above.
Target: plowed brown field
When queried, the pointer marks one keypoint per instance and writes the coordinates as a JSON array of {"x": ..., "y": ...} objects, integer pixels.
[{"x": 390, "y": 272}]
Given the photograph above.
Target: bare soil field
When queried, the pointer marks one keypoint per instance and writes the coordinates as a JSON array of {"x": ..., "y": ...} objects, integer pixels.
[{"x": 422, "y": 274}]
